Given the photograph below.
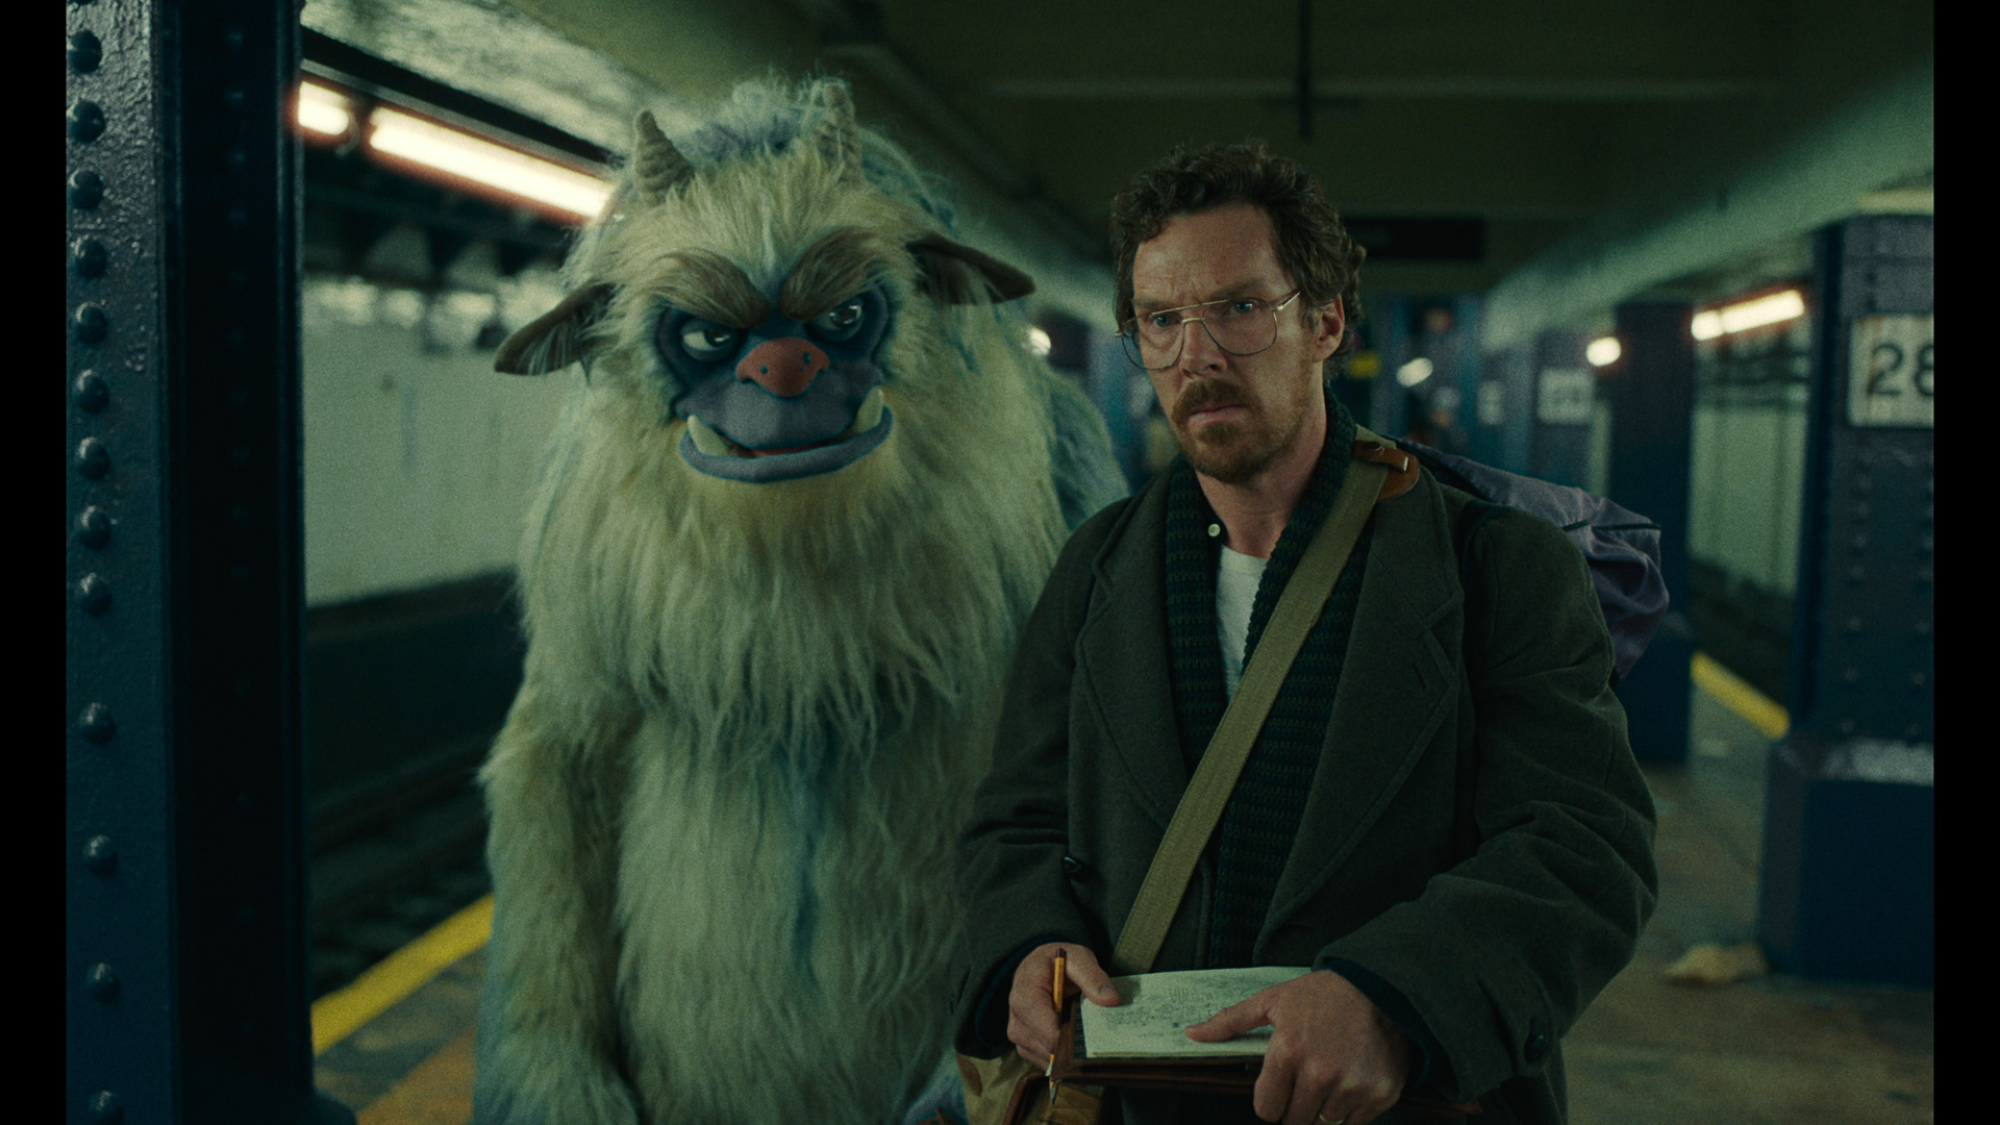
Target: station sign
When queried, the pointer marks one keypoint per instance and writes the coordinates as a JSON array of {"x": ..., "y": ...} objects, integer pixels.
[
  {"x": 1889, "y": 371},
  {"x": 1568, "y": 396}
]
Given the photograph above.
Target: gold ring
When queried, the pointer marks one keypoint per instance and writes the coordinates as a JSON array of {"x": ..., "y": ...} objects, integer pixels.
[{"x": 1324, "y": 1121}]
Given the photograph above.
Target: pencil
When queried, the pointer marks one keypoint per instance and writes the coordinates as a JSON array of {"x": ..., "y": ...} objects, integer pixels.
[{"x": 1057, "y": 989}]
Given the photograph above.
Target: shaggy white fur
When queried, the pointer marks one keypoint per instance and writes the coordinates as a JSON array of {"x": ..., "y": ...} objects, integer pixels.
[{"x": 752, "y": 714}]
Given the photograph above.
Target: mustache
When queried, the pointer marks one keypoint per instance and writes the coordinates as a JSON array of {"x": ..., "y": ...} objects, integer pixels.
[{"x": 1200, "y": 396}]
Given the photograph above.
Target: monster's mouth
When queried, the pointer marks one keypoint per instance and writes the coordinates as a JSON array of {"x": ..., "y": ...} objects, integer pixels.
[{"x": 709, "y": 450}]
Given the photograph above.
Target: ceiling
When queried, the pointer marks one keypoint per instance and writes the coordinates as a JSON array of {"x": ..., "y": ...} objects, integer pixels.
[{"x": 1465, "y": 142}]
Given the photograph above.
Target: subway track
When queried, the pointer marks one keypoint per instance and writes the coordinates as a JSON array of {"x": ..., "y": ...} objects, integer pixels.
[{"x": 392, "y": 861}]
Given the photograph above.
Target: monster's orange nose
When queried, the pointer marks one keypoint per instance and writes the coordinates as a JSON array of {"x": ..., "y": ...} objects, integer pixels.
[{"x": 784, "y": 367}]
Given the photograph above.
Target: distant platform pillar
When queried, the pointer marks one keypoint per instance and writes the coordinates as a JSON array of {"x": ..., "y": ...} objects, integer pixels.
[
  {"x": 1651, "y": 392},
  {"x": 1848, "y": 859}
]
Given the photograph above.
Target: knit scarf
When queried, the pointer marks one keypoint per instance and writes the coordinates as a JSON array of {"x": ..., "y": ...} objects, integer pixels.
[{"x": 1261, "y": 819}]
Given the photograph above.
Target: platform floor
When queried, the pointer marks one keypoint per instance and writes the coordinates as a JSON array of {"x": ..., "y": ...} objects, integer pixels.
[{"x": 1770, "y": 1050}]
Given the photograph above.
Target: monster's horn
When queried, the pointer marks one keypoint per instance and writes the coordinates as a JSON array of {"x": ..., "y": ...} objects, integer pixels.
[
  {"x": 836, "y": 136},
  {"x": 658, "y": 166}
]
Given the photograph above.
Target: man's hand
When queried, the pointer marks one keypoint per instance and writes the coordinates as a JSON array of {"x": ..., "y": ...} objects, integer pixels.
[
  {"x": 1032, "y": 1022},
  {"x": 1334, "y": 1057}
]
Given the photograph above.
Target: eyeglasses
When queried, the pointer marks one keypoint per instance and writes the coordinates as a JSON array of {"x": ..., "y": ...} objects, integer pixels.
[{"x": 1238, "y": 325}]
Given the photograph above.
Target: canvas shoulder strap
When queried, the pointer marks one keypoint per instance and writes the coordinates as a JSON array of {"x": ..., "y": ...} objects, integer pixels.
[{"x": 1378, "y": 470}]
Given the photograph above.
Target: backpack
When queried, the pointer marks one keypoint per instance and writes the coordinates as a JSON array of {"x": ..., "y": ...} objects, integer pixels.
[{"x": 1622, "y": 547}]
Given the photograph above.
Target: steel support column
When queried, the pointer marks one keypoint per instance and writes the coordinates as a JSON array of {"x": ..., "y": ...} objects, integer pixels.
[
  {"x": 120, "y": 990},
  {"x": 1847, "y": 886},
  {"x": 1651, "y": 389},
  {"x": 1503, "y": 409},
  {"x": 186, "y": 905}
]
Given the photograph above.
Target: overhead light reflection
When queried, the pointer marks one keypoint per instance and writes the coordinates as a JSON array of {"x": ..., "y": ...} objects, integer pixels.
[
  {"x": 1776, "y": 308},
  {"x": 323, "y": 110},
  {"x": 1603, "y": 351},
  {"x": 460, "y": 155}
]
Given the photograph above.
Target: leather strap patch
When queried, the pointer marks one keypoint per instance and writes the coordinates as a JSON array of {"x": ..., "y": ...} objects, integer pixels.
[{"x": 1402, "y": 467}]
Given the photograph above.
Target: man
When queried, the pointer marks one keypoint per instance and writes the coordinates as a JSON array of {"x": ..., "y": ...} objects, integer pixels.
[{"x": 1441, "y": 813}]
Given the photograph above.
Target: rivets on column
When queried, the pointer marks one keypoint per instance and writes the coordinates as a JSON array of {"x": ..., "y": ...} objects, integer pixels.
[
  {"x": 86, "y": 190},
  {"x": 85, "y": 52},
  {"x": 93, "y": 595},
  {"x": 101, "y": 856},
  {"x": 93, "y": 458},
  {"x": 102, "y": 982},
  {"x": 89, "y": 324},
  {"x": 88, "y": 257},
  {"x": 86, "y": 121},
  {"x": 93, "y": 528},
  {"x": 92, "y": 393},
  {"x": 97, "y": 724}
]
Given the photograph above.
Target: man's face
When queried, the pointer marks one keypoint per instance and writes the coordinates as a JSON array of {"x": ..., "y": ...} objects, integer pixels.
[{"x": 1234, "y": 415}]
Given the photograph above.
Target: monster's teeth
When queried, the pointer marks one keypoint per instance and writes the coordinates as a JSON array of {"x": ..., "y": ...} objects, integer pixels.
[
  {"x": 870, "y": 414},
  {"x": 706, "y": 439}
]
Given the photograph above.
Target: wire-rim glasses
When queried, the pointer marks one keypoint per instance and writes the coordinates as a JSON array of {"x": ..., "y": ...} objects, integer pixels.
[{"x": 1238, "y": 325}]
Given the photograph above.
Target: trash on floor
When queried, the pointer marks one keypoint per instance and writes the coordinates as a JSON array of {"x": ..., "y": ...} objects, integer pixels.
[{"x": 1713, "y": 964}]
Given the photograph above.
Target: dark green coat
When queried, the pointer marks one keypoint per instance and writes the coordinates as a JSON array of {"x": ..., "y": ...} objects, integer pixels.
[{"x": 1504, "y": 671}]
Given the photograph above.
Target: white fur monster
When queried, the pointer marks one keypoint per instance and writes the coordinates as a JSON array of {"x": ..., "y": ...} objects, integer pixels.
[{"x": 791, "y": 521}]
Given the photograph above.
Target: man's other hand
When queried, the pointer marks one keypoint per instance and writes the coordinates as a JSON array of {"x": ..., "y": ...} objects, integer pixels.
[
  {"x": 1032, "y": 1023},
  {"x": 1334, "y": 1057}
]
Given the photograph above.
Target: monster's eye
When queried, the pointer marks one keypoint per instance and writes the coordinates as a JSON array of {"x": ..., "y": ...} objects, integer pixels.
[
  {"x": 707, "y": 342},
  {"x": 840, "y": 322}
]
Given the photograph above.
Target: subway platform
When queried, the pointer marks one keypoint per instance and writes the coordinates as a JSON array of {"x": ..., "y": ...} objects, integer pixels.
[{"x": 1760, "y": 1049}]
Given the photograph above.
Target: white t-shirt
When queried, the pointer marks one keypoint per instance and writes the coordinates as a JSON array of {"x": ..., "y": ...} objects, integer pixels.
[{"x": 1236, "y": 582}]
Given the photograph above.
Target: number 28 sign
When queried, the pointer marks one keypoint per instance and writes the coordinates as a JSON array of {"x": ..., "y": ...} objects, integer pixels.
[{"x": 1889, "y": 371}]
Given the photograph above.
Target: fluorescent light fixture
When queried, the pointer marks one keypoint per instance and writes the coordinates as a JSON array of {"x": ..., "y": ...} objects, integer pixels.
[
  {"x": 323, "y": 110},
  {"x": 1603, "y": 351},
  {"x": 1040, "y": 342},
  {"x": 496, "y": 167},
  {"x": 1776, "y": 308},
  {"x": 1414, "y": 372}
]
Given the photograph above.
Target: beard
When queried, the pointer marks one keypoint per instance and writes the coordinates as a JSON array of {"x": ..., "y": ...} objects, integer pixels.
[{"x": 1238, "y": 450}]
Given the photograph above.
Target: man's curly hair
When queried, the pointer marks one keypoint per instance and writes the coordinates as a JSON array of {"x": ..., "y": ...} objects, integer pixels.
[{"x": 1310, "y": 241}]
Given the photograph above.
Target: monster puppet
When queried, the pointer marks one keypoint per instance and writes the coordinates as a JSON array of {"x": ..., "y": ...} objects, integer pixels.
[{"x": 800, "y": 502}]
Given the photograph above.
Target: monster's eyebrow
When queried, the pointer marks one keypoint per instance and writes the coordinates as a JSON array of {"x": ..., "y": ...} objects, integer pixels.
[
  {"x": 710, "y": 285},
  {"x": 831, "y": 270}
]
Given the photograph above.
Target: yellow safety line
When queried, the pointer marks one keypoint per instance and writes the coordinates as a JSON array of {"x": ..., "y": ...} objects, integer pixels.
[
  {"x": 338, "y": 1014},
  {"x": 1740, "y": 697}
]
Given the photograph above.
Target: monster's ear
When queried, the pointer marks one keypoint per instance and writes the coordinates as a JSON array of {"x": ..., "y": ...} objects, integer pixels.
[
  {"x": 956, "y": 274},
  {"x": 555, "y": 339}
]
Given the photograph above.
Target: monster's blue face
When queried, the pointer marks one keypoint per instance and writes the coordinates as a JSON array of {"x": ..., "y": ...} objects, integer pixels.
[{"x": 784, "y": 398}]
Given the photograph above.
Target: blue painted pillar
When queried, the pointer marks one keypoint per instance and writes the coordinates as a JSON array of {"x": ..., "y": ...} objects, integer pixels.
[
  {"x": 1441, "y": 332},
  {"x": 185, "y": 983},
  {"x": 1389, "y": 333},
  {"x": 1847, "y": 885},
  {"x": 119, "y": 984},
  {"x": 1504, "y": 409},
  {"x": 1464, "y": 375},
  {"x": 1651, "y": 390}
]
